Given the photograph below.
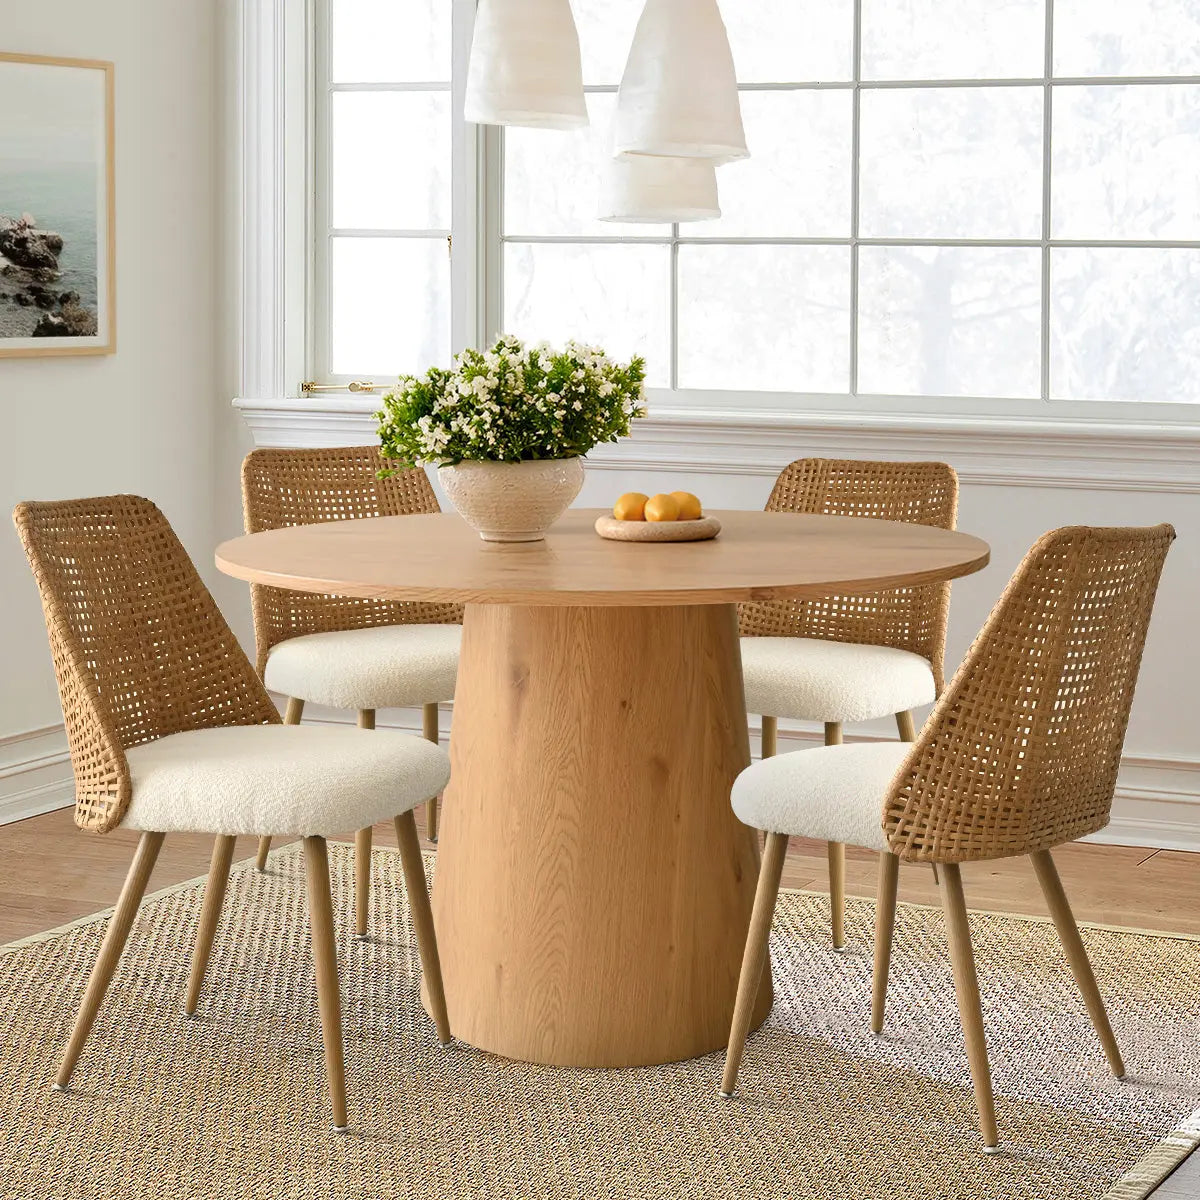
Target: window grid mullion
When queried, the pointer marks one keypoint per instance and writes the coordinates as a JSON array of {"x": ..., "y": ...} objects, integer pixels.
[
  {"x": 855, "y": 185},
  {"x": 673, "y": 366},
  {"x": 1047, "y": 195}
]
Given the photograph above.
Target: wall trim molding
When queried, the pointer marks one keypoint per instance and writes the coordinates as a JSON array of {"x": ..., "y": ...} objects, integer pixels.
[
  {"x": 35, "y": 773},
  {"x": 1016, "y": 452}
]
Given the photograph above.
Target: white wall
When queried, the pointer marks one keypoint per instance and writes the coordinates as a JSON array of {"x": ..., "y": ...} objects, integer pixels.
[
  {"x": 1017, "y": 482},
  {"x": 144, "y": 419}
]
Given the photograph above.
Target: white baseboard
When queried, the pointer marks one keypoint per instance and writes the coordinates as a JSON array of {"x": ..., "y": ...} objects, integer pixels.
[
  {"x": 1157, "y": 802},
  {"x": 35, "y": 773}
]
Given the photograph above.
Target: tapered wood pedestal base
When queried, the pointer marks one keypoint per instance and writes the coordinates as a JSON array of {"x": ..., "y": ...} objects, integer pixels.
[{"x": 593, "y": 887}]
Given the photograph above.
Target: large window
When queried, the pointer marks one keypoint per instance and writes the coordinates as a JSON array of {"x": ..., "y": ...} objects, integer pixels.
[{"x": 987, "y": 200}]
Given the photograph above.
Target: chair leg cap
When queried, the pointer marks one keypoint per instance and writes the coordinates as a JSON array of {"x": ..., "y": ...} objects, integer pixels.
[
  {"x": 991, "y": 1149},
  {"x": 341, "y": 1129},
  {"x": 725, "y": 1095},
  {"x": 189, "y": 1015},
  {"x": 839, "y": 949},
  {"x": 60, "y": 1087},
  {"x": 361, "y": 937}
]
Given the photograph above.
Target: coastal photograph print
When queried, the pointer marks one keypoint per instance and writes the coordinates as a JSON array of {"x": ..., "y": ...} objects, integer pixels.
[{"x": 57, "y": 288}]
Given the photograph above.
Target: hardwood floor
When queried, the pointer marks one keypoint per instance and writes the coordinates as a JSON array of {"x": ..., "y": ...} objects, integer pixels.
[{"x": 51, "y": 873}]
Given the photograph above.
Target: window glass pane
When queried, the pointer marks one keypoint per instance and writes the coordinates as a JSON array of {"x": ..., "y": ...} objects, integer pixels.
[
  {"x": 764, "y": 318},
  {"x": 390, "y": 305},
  {"x": 773, "y": 41},
  {"x": 786, "y": 41},
  {"x": 797, "y": 181},
  {"x": 390, "y": 41},
  {"x": 966, "y": 39},
  {"x": 1127, "y": 162},
  {"x": 605, "y": 35},
  {"x": 1123, "y": 324},
  {"x": 553, "y": 179},
  {"x": 961, "y": 321},
  {"x": 952, "y": 162},
  {"x": 618, "y": 297},
  {"x": 391, "y": 160},
  {"x": 1127, "y": 37}
]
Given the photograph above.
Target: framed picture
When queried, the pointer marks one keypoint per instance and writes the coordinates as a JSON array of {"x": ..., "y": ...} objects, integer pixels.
[{"x": 57, "y": 232}]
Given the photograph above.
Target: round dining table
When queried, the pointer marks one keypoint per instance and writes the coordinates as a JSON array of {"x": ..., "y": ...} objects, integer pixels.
[{"x": 593, "y": 887}]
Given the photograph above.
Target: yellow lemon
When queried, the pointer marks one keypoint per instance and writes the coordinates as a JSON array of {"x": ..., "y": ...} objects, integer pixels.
[
  {"x": 689, "y": 506},
  {"x": 662, "y": 508},
  {"x": 630, "y": 507}
]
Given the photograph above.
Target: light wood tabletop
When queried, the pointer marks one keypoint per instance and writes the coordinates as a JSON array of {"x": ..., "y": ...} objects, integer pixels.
[
  {"x": 757, "y": 556},
  {"x": 593, "y": 886}
]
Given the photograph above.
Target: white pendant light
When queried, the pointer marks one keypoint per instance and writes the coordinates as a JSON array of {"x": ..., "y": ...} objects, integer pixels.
[
  {"x": 525, "y": 67},
  {"x": 678, "y": 97},
  {"x": 646, "y": 188}
]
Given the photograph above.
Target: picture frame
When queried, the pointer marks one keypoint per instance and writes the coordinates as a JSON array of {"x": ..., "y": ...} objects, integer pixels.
[{"x": 57, "y": 206}]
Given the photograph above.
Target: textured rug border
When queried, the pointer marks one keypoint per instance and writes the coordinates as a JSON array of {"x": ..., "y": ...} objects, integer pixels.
[
  {"x": 1138, "y": 1183},
  {"x": 1143, "y": 1178}
]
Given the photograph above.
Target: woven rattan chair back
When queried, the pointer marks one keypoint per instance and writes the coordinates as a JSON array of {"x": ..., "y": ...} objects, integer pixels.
[
  {"x": 140, "y": 649},
  {"x": 1021, "y": 753},
  {"x": 912, "y": 618},
  {"x": 306, "y": 487}
]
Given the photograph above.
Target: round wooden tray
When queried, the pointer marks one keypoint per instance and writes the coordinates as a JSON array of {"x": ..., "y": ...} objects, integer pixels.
[{"x": 658, "y": 531}]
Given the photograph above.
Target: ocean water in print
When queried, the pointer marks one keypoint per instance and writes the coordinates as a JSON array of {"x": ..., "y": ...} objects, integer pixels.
[{"x": 62, "y": 198}]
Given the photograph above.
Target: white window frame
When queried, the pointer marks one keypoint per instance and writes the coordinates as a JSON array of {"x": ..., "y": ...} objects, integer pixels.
[{"x": 279, "y": 133}]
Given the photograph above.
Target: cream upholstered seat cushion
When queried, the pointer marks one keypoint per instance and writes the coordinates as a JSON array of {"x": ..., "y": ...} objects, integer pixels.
[
  {"x": 389, "y": 666},
  {"x": 280, "y": 779},
  {"x": 809, "y": 679},
  {"x": 834, "y": 793}
]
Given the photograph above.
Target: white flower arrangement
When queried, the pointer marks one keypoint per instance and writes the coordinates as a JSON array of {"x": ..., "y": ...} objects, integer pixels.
[{"x": 512, "y": 403}]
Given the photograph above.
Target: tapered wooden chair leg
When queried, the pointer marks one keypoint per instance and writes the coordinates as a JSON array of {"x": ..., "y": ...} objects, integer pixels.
[
  {"x": 362, "y": 856},
  {"x": 770, "y": 737},
  {"x": 422, "y": 916},
  {"x": 115, "y": 936},
  {"x": 430, "y": 730},
  {"x": 264, "y": 848},
  {"x": 324, "y": 950},
  {"x": 885, "y": 925},
  {"x": 1081, "y": 968},
  {"x": 291, "y": 716},
  {"x": 836, "y": 854},
  {"x": 966, "y": 986},
  {"x": 210, "y": 917},
  {"x": 362, "y": 881},
  {"x": 754, "y": 957}
]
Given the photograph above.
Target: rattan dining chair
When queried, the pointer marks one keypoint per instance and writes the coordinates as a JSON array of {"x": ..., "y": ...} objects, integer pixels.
[
  {"x": 171, "y": 730},
  {"x": 850, "y": 658},
  {"x": 1020, "y": 755},
  {"x": 343, "y": 651}
]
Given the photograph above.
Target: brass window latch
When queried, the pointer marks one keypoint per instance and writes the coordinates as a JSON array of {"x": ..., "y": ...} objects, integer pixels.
[{"x": 311, "y": 385}]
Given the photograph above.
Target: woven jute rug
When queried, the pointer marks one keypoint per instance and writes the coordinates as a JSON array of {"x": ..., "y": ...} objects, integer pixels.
[{"x": 232, "y": 1104}]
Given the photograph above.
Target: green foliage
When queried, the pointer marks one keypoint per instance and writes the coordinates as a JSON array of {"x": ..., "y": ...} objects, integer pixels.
[{"x": 510, "y": 404}]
